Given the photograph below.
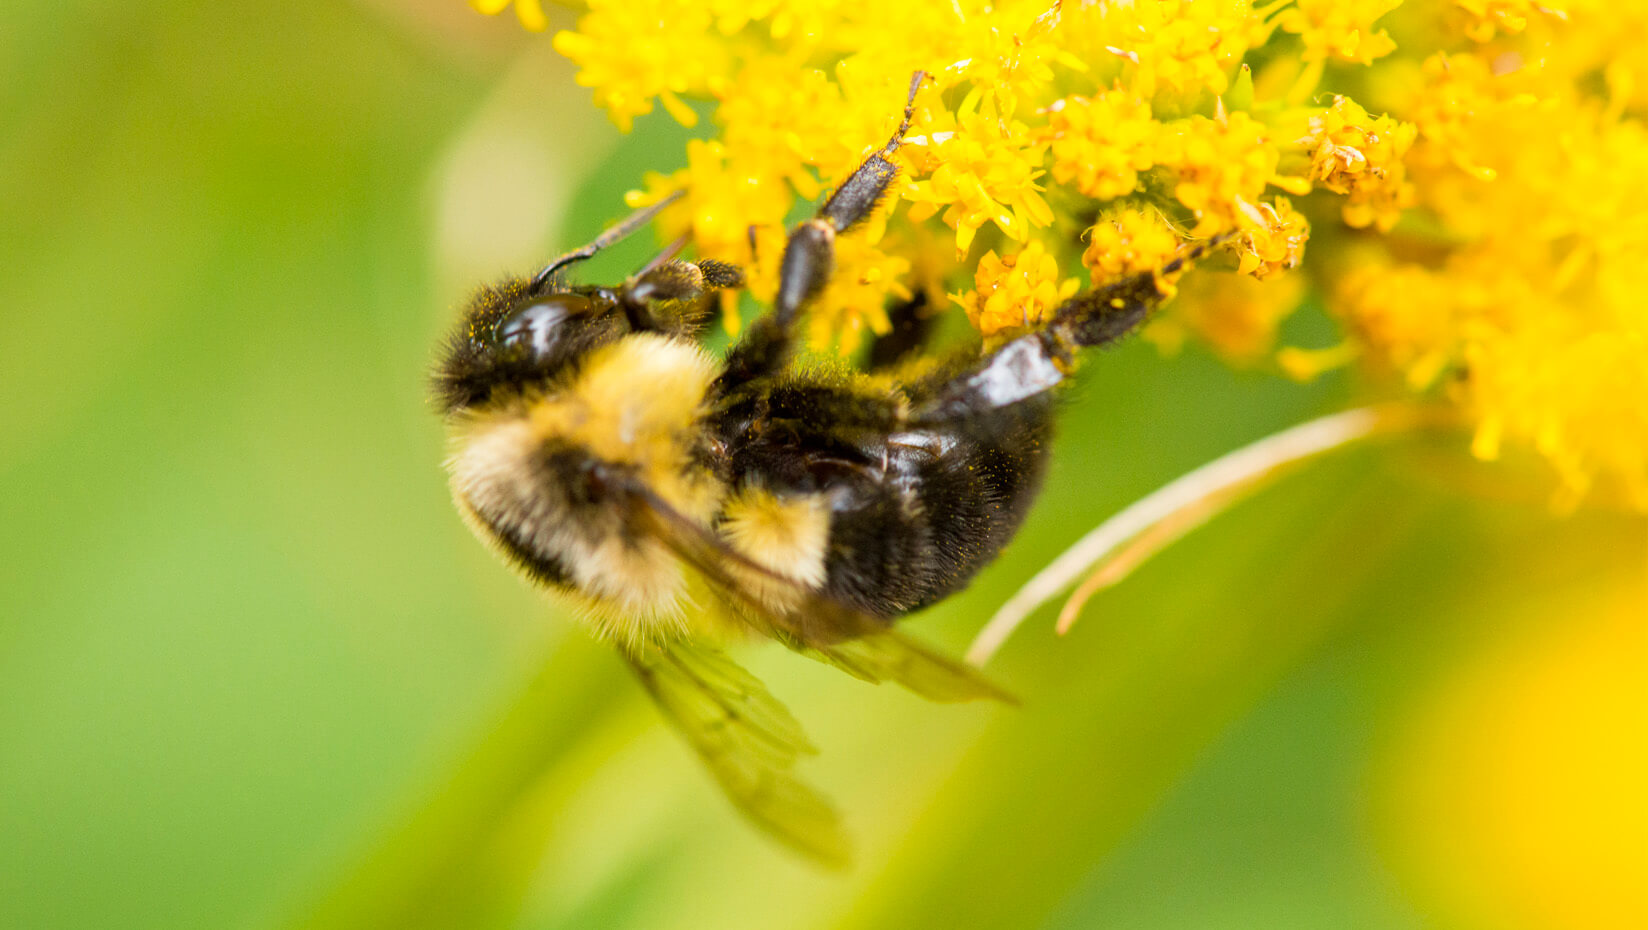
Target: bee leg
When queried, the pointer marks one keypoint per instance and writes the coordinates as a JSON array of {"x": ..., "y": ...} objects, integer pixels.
[
  {"x": 723, "y": 276},
  {"x": 810, "y": 252},
  {"x": 1035, "y": 363},
  {"x": 809, "y": 256},
  {"x": 912, "y": 323},
  {"x": 664, "y": 278},
  {"x": 666, "y": 292},
  {"x": 1106, "y": 314},
  {"x": 856, "y": 198}
]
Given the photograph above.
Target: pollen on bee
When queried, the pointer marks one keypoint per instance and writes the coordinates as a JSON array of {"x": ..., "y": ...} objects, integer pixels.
[
  {"x": 786, "y": 535},
  {"x": 634, "y": 399}
]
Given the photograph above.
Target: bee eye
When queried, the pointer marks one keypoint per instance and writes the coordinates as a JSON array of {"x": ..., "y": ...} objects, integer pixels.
[{"x": 538, "y": 326}]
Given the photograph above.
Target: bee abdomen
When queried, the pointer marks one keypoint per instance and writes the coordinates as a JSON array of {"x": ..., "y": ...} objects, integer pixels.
[{"x": 946, "y": 505}]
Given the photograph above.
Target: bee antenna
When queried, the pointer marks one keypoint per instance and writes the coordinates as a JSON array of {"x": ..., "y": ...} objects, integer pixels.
[{"x": 619, "y": 230}]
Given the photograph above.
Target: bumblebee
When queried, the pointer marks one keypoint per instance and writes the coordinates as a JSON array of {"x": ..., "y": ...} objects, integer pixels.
[{"x": 675, "y": 497}]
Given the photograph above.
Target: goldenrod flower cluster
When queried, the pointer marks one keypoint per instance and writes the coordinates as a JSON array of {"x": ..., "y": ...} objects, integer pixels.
[
  {"x": 1472, "y": 176},
  {"x": 1020, "y": 290}
]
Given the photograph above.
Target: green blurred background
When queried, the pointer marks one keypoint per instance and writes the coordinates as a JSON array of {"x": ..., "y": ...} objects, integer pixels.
[{"x": 255, "y": 673}]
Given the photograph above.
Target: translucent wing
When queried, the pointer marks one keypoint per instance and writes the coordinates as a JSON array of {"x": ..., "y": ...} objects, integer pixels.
[
  {"x": 810, "y": 622},
  {"x": 747, "y": 738},
  {"x": 890, "y": 656}
]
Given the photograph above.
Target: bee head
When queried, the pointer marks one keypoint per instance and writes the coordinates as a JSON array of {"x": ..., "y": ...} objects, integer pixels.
[{"x": 522, "y": 332}]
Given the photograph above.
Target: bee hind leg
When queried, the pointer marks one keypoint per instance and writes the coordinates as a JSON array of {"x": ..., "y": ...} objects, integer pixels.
[
  {"x": 1036, "y": 362},
  {"x": 1103, "y": 315}
]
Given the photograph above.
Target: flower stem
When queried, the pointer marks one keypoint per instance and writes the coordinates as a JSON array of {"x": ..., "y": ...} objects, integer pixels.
[{"x": 1112, "y": 550}]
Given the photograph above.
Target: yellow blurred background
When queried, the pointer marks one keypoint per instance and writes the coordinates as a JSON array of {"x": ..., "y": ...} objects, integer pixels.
[{"x": 255, "y": 673}]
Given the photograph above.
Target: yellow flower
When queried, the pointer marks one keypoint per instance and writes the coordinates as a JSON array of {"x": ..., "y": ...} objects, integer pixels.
[
  {"x": 733, "y": 15},
  {"x": 1521, "y": 163},
  {"x": 1457, "y": 97},
  {"x": 983, "y": 170},
  {"x": 855, "y": 300},
  {"x": 1100, "y": 144},
  {"x": 1129, "y": 241},
  {"x": 1220, "y": 164},
  {"x": 530, "y": 12},
  {"x": 1272, "y": 239},
  {"x": 1341, "y": 29},
  {"x": 1015, "y": 292},
  {"x": 631, "y": 51},
  {"x": 1235, "y": 316},
  {"x": 786, "y": 119},
  {"x": 1403, "y": 316},
  {"x": 1580, "y": 400},
  {"x": 1011, "y": 52},
  {"x": 1356, "y": 154},
  {"x": 1490, "y": 16},
  {"x": 731, "y": 212},
  {"x": 1178, "y": 47}
]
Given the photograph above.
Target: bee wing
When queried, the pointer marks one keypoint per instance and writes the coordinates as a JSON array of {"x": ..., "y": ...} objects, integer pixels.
[
  {"x": 887, "y": 655},
  {"x": 813, "y": 623},
  {"x": 747, "y": 738}
]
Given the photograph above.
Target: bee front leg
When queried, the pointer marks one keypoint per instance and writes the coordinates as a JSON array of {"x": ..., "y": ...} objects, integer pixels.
[
  {"x": 809, "y": 257},
  {"x": 671, "y": 296}
]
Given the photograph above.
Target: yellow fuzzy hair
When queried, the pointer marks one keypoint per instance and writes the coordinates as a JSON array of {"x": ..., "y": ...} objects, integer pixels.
[{"x": 637, "y": 403}]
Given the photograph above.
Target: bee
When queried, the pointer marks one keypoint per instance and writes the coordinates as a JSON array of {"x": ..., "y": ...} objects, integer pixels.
[{"x": 678, "y": 498}]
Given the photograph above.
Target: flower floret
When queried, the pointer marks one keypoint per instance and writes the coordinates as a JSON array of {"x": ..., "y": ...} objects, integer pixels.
[{"x": 1018, "y": 291}]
